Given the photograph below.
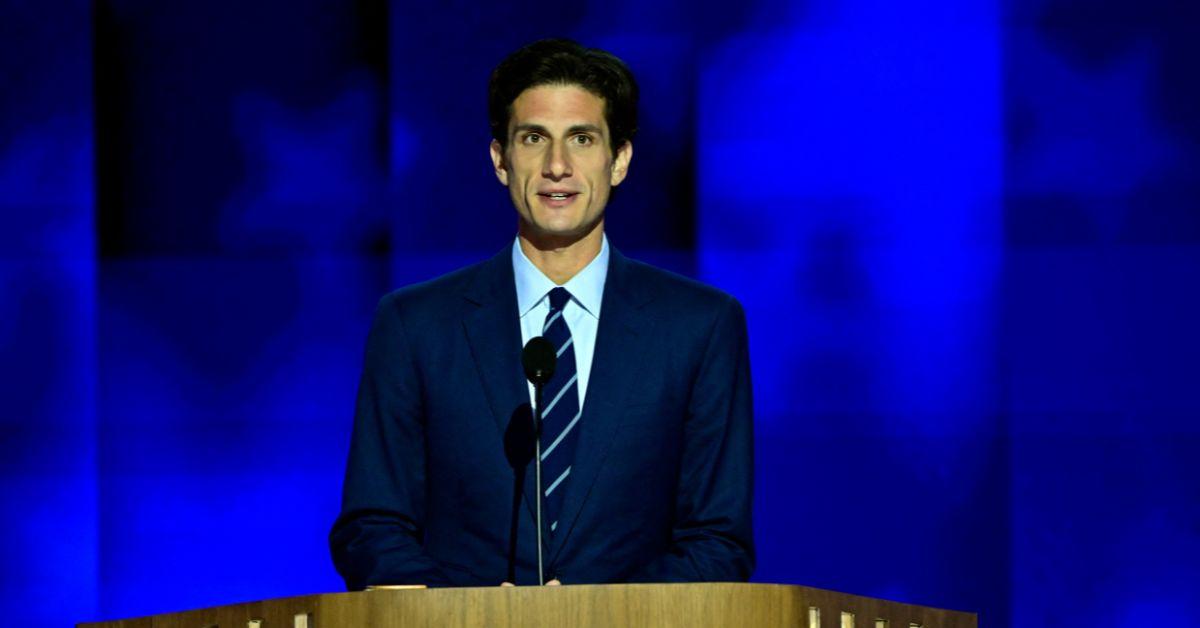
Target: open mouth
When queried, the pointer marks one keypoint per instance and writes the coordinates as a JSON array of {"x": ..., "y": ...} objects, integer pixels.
[{"x": 558, "y": 199}]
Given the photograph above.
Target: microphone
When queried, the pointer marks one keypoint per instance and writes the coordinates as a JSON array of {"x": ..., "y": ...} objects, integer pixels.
[{"x": 538, "y": 359}]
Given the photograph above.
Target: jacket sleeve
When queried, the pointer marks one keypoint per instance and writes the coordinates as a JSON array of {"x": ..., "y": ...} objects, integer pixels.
[
  {"x": 712, "y": 535},
  {"x": 377, "y": 538}
]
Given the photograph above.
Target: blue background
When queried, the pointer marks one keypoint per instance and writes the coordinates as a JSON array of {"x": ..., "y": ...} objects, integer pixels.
[{"x": 967, "y": 236}]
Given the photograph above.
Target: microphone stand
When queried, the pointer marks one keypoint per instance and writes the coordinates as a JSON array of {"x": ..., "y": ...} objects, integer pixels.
[
  {"x": 537, "y": 465},
  {"x": 538, "y": 359}
]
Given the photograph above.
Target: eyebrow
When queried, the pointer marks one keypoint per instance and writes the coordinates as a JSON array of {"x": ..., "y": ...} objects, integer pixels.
[
  {"x": 573, "y": 130},
  {"x": 584, "y": 128}
]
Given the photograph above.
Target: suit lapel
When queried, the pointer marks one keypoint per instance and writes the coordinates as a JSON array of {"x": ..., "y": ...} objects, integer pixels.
[
  {"x": 615, "y": 363},
  {"x": 493, "y": 332}
]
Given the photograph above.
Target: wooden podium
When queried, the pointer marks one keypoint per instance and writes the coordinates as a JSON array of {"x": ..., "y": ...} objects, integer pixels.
[{"x": 610, "y": 605}]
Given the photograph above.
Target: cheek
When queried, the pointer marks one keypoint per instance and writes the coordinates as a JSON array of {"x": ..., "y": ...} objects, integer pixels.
[
  {"x": 602, "y": 185},
  {"x": 518, "y": 183}
]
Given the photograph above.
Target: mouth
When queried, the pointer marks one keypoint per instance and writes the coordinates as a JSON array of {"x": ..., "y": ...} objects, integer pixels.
[{"x": 557, "y": 198}]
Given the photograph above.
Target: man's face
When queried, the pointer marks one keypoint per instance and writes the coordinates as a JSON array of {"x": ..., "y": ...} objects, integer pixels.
[{"x": 558, "y": 166}]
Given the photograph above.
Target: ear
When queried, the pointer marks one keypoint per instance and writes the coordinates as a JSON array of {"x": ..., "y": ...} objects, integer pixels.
[
  {"x": 620, "y": 166},
  {"x": 500, "y": 168}
]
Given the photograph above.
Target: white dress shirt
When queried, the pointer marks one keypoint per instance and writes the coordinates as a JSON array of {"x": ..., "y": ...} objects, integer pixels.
[{"x": 582, "y": 312}]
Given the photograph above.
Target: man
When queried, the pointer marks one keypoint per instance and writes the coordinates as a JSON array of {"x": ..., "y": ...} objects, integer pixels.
[{"x": 646, "y": 446}]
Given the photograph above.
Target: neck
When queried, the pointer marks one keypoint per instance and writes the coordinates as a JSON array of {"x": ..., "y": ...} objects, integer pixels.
[{"x": 561, "y": 257}]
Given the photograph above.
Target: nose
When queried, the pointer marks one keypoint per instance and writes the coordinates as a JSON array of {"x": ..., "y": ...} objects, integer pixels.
[{"x": 558, "y": 163}]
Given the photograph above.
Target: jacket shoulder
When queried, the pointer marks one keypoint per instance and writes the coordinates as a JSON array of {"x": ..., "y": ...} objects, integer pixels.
[{"x": 678, "y": 290}]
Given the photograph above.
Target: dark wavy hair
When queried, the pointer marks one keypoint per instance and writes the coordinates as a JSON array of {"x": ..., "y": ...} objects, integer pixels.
[{"x": 565, "y": 62}]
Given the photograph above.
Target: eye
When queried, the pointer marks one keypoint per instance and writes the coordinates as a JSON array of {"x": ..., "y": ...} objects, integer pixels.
[
  {"x": 532, "y": 138},
  {"x": 583, "y": 140}
]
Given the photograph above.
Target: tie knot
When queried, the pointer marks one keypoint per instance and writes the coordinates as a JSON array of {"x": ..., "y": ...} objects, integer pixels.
[{"x": 558, "y": 298}]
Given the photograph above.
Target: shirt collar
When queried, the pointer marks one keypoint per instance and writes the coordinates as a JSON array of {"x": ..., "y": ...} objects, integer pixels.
[{"x": 586, "y": 287}]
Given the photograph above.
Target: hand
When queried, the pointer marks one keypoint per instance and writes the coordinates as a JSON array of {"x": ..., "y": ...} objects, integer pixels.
[{"x": 552, "y": 583}]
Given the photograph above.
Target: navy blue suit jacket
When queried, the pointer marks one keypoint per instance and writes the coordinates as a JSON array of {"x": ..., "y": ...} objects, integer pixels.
[{"x": 438, "y": 488}]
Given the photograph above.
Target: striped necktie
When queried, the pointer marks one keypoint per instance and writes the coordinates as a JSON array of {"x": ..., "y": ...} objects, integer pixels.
[{"x": 560, "y": 400}]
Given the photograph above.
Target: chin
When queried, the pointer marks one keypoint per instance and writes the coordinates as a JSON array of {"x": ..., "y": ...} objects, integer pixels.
[
  {"x": 560, "y": 227},
  {"x": 558, "y": 231},
  {"x": 562, "y": 233}
]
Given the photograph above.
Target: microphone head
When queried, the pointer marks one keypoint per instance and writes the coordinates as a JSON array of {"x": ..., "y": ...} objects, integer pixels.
[{"x": 539, "y": 359}]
